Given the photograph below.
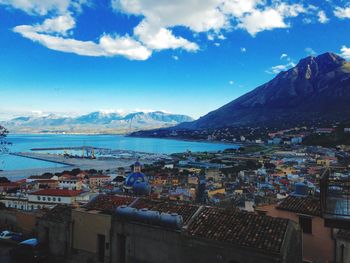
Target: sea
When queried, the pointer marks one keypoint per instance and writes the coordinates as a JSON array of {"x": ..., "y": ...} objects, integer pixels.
[{"x": 25, "y": 142}]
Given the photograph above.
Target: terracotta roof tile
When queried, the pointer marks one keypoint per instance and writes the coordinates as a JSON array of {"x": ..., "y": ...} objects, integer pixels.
[
  {"x": 162, "y": 206},
  {"x": 240, "y": 228},
  {"x": 60, "y": 213},
  {"x": 107, "y": 203},
  {"x": 299, "y": 204}
]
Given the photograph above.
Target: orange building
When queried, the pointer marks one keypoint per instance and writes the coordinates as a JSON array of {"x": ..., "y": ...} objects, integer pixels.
[{"x": 318, "y": 244}]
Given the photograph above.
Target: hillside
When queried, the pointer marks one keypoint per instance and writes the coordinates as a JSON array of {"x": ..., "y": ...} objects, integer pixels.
[{"x": 315, "y": 91}]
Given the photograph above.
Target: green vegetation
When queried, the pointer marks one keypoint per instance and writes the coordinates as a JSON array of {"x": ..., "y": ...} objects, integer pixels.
[{"x": 339, "y": 137}]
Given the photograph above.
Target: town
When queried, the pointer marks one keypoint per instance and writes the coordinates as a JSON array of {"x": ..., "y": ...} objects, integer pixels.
[{"x": 298, "y": 189}]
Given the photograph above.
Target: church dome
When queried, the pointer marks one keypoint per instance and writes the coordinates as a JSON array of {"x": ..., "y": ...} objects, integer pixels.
[{"x": 132, "y": 178}]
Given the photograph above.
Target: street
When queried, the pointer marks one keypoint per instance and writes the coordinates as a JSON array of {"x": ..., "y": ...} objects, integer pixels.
[{"x": 4, "y": 252}]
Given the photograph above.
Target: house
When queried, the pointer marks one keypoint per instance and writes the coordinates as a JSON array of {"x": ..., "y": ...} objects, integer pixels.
[
  {"x": 177, "y": 232},
  {"x": 71, "y": 184},
  {"x": 342, "y": 244},
  {"x": 17, "y": 201},
  {"x": 4, "y": 187},
  {"x": 94, "y": 245},
  {"x": 48, "y": 198},
  {"x": 55, "y": 230},
  {"x": 46, "y": 183},
  {"x": 318, "y": 244},
  {"x": 98, "y": 180}
]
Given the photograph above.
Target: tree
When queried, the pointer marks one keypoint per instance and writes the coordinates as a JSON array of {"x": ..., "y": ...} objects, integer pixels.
[{"x": 3, "y": 142}]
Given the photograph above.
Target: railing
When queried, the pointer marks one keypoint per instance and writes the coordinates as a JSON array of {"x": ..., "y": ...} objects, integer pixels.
[{"x": 335, "y": 195}]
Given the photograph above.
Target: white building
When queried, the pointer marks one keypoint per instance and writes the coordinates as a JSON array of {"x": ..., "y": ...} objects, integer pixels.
[
  {"x": 45, "y": 198},
  {"x": 71, "y": 184}
]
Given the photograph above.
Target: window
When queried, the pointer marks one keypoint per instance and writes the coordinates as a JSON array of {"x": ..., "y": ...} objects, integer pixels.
[
  {"x": 49, "y": 199},
  {"x": 305, "y": 223},
  {"x": 44, "y": 198},
  {"x": 54, "y": 199},
  {"x": 39, "y": 198},
  {"x": 59, "y": 199}
]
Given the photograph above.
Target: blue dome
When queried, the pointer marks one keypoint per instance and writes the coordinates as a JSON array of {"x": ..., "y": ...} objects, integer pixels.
[
  {"x": 141, "y": 188},
  {"x": 132, "y": 178}
]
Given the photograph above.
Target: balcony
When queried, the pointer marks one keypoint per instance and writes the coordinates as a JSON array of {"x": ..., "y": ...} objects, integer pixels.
[{"x": 335, "y": 199}]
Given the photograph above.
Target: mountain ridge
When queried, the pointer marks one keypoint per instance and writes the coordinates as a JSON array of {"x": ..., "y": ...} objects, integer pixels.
[
  {"x": 94, "y": 122},
  {"x": 316, "y": 90}
]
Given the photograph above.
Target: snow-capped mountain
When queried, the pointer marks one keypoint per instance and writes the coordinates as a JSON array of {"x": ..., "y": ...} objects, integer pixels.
[{"x": 95, "y": 122}]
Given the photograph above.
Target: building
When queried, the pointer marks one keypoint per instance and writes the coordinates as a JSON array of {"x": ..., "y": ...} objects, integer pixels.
[
  {"x": 48, "y": 198},
  {"x": 92, "y": 226},
  {"x": 71, "y": 184},
  {"x": 45, "y": 183},
  {"x": 17, "y": 201},
  {"x": 342, "y": 244},
  {"x": 4, "y": 187},
  {"x": 151, "y": 231},
  {"x": 99, "y": 180},
  {"x": 55, "y": 230},
  {"x": 318, "y": 244}
]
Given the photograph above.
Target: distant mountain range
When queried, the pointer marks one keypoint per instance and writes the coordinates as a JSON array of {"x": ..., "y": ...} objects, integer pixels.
[
  {"x": 316, "y": 90},
  {"x": 95, "y": 122}
]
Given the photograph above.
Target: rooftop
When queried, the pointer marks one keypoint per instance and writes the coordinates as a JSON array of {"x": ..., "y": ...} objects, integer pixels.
[
  {"x": 60, "y": 213},
  {"x": 107, "y": 203},
  {"x": 183, "y": 209},
  {"x": 240, "y": 228},
  {"x": 301, "y": 204}
]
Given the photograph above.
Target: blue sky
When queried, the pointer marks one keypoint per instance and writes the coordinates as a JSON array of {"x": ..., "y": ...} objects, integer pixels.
[{"x": 184, "y": 56}]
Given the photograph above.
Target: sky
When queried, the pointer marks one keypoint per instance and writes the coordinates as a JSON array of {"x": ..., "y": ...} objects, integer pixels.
[{"x": 71, "y": 57}]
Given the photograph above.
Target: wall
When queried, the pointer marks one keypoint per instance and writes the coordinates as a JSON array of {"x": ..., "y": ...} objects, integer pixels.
[
  {"x": 346, "y": 253},
  {"x": 16, "y": 220},
  {"x": 318, "y": 246},
  {"x": 87, "y": 226},
  {"x": 146, "y": 244},
  {"x": 57, "y": 235}
]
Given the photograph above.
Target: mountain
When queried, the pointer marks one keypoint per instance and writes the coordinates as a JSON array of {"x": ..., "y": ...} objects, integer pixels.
[
  {"x": 95, "y": 122},
  {"x": 316, "y": 90}
]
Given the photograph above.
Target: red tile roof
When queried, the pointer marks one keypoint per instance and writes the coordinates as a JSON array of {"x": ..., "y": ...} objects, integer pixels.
[
  {"x": 107, "y": 203},
  {"x": 307, "y": 205},
  {"x": 240, "y": 228},
  {"x": 58, "y": 192}
]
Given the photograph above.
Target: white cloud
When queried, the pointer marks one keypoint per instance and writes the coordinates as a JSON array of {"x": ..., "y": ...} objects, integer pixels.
[
  {"x": 155, "y": 32},
  {"x": 107, "y": 45},
  {"x": 161, "y": 38},
  {"x": 197, "y": 15},
  {"x": 60, "y": 25},
  {"x": 43, "y": 7},
  {"x": 284, "y": 55},
  {"x": 279, "y": 68},
  {"x": 243, "y": 49},
  {"x": 175, "y": 57},
  {"x": 342, "y": 13},
  {"x": 231, "y": 82},
  {"x": 345, "y": 52},
  {"x": 310, "y": 51},
  {"x": 322, "y": 17},
  {"x": 269, "y": 18}
]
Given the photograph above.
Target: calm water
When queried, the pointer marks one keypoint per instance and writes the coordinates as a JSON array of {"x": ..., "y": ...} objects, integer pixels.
[{"x": 22, "y": 143}]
